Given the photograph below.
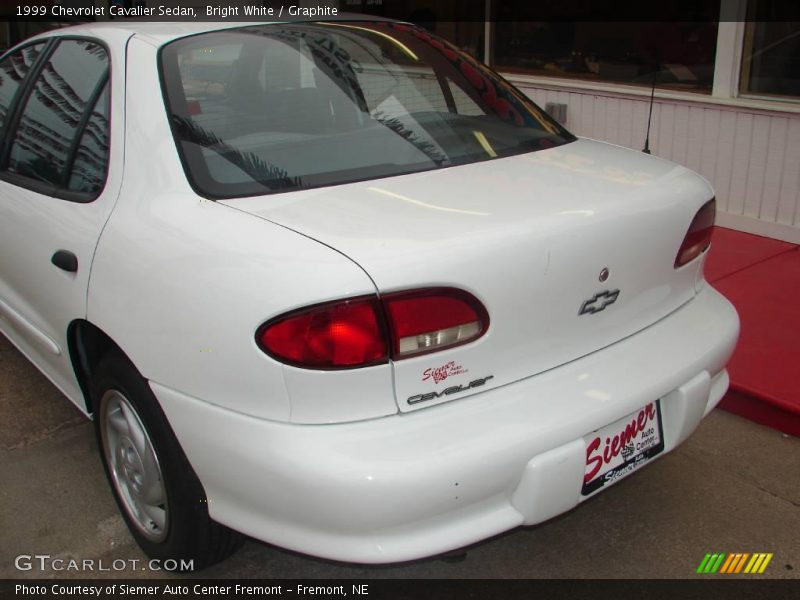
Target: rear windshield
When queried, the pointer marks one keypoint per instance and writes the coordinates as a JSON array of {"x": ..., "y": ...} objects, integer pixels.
[{"x": 281, "y": 107}]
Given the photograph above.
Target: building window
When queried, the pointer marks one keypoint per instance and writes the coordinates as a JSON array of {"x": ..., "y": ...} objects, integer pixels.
[
  {"x": 678, "y": 54},
  {"x": 771, "y": 53}
]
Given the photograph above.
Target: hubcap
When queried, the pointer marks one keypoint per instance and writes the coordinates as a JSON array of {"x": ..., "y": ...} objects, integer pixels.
[{"x": 134, "y": 466}]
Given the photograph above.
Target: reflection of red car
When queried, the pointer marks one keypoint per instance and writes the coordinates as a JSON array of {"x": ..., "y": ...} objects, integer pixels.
[{"x": 339, "y": 287}]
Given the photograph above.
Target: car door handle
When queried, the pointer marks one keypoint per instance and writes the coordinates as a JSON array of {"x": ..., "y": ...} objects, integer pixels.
[{"x": 65, "y": 260}]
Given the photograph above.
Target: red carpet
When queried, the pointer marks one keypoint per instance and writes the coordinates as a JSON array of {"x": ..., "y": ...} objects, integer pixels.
[
  {"x": 732, "y": 251},
  {"x": 761, "y": 276}
]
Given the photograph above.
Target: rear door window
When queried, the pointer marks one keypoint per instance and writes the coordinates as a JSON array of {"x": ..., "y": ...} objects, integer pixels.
[
  {"x": 88, "y": 172},
  {"x": 13, "y": 69},
  {"x": 61, "y": 141}
]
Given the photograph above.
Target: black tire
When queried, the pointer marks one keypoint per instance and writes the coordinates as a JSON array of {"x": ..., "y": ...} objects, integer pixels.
[{"x": 188, "y": 539}]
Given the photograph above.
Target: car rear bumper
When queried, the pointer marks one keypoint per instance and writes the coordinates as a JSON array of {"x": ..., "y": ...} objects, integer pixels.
[{"x": 413, "y": 485}]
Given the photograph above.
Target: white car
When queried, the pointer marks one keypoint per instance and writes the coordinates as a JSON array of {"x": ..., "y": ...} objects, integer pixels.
[{"x": 339, "y": 287}]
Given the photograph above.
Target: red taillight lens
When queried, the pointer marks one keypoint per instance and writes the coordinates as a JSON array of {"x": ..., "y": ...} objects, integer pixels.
[
  {"x": 329, "y": 336},
  {"x": 698, "y": 238},
  {"x": 353, "y": 333},
  {"x": 434, "y": 319}
]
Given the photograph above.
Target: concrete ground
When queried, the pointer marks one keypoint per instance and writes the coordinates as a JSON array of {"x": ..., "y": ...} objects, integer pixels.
[{"x": 733, "y": 487}]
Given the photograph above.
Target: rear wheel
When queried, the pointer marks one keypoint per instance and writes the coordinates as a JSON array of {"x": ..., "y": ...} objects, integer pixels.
[{"x": 160, "y": 497}]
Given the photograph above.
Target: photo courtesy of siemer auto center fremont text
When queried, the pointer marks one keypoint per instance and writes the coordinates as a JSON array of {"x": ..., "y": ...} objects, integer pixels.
[{"x": 399, "y": 298}]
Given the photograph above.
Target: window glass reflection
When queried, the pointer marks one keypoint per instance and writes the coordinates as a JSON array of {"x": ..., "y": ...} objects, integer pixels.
[
  {"x": 89, "y": 167},
  {"x": 67, "y": 86},
  {"x": 12, "y": 72}
]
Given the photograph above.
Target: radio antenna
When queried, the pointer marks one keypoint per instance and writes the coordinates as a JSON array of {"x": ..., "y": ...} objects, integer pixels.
[{"x": 646, "y": 148}]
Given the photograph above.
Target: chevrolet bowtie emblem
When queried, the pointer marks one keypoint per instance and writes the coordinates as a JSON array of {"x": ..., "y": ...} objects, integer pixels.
[{"x": 599, "y": 302}]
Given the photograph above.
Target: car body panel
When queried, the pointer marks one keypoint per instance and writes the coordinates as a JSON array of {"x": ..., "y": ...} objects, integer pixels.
[
  {"x": 528, "y": 235},
  {"x": 206, "y": 277},
  {"x": 429, "y": 481},
  {"x": 38, "y": 301}
]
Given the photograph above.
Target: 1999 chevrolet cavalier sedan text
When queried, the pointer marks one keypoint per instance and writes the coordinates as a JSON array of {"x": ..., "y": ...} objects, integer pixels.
[{"x": 340, "y": 287}]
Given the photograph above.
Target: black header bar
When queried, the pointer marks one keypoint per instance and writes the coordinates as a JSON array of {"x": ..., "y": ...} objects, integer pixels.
[{"x": 410, "y": 10}]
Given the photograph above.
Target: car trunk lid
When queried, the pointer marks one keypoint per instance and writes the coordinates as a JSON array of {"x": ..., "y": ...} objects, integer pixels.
[{"x": 570, "y": 249}]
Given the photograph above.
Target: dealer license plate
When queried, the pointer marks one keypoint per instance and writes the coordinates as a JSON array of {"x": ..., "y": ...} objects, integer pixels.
[{"x": 623, "y": 447}]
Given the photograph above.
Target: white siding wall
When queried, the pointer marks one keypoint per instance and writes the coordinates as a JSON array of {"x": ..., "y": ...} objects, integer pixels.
[{"x": 751, "y": 157}]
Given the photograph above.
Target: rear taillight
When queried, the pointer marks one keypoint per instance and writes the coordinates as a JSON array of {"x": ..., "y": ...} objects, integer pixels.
[
  {"x": 336, "y": 335},
  {"x": 423, "y": 321},
  {"x": 698, "y": 238},
  {"x": 365, "y": 331}
]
